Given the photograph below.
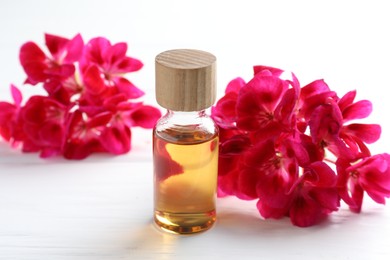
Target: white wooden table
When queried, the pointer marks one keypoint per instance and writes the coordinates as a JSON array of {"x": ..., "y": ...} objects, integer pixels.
[{"x": 101, "y": 208}]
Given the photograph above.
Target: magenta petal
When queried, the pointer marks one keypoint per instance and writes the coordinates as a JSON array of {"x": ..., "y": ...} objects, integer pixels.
[
  {"x": 74, "y": 49},
  {"x": 247, "y": 183},
  {"x": 48, "y": 152},
  {"x": 96, "y": 49},
  {"x": 116, "y": 52},
  {"x": 324, "y": 175},
  {"x": 235, "y": 145},
  {"x": 7, "y": 111},
  {"x": 327, "y": 198},
  {"x": 274, "y": 71},
  {"x": 284, "y": 111},
  {"x": 257, "y": 101},
  {"x": 78, "y": 150},
  {"x": 101, "y": 119},
  {"x": 325, "y": 122},
  {"x": 224, "y": 113},
  {"x": 33, "y": 59},
  {"x": 116, "y": 102},
  {"x": 51, "y": 134},
  {"x": 300, "y": 153},
  {"x": 265, "y": 90},
  {"x": 357, "y": 197},
  {"x": 378, "y": 197},
  {"x": 33, "y": 111},
  {"x": 63, "y": 71},
  {"x": 145, "y": 116},
  {"x": 274, "y": 197},
  {"x": 259, "y": 154},
  {"x": 358, "y": 110},
  {"x": 347, "y": 99},
  {"x": 29, "y": 146},
  {"x": 305, "y": 212},
  {"x": 235, "y": 85},
  {"x": 128, "y": 65},
  {"x": 56, "y": 45},
  {"x": 126, "y": 87},
  {"x": 314, "y": 88},
  {"x": 268, "y": 211},
  {"x": 93, "y": 80},
  {"x": 116, "y": 139},
  {"x": 16, "y": 95},
  {"x": 368, "y": 133}
]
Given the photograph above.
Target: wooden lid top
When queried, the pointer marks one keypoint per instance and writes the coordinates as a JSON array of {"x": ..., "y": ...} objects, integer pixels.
[{"x": 185, "y": 80}]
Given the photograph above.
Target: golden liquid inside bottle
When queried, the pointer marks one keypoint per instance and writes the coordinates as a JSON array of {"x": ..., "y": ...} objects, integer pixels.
[{"x": 185, "y": 172}]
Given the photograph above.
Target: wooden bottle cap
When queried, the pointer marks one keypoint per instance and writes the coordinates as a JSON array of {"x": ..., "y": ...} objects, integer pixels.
[{"x": 185, "y": 80}]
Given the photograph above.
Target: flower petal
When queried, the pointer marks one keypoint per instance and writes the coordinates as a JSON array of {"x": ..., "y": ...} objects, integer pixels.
[
  {"x": 347, "y": 99},
  {"x": 128, "y": 64},
  {"x": 116, "y": 52},
  {"x": 358, "y": 110},
  {"x": 324, "y": 175},
  {"x": 235, "y": 85},
  {"x": 96, "y": 50},
  {"x": 56, "y": 45},
  {"x": 101, "y": 119},
  {"x": 145, "y": 116},
  {"x": 116, "y": 139},
  {"x": 78, "y": 150},
  {"x": 33, "y": 59},
  {"x": 274, "y": 71},
  {"x": 325, "y": 123},
  {"x": 6, "y": 112},
  {"x": 257, "y": 101},
  {"x": 224, "y": 112},
  {"x": 74, "y": 49},
  {"x": 271, "y": 211},
  {"x": 305, "y": 212},
  {"x": 93, "y": 80},
  {"x": 51, "y": 134},
  {"x": 16, "y": 95},
  {"x": 126, "y": 87},
  {"x": 368, "y": 133},
  {"x": 314, "y": 88}
]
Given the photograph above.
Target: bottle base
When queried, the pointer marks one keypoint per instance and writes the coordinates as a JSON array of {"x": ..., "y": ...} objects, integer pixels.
[{"x": 184, "y": 223}]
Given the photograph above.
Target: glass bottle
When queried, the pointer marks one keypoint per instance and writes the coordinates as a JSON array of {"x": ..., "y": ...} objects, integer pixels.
[{"x": 185, "y": 142}]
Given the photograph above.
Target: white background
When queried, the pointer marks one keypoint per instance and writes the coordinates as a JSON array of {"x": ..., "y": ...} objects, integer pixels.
[{"x": 101, "y": 208}]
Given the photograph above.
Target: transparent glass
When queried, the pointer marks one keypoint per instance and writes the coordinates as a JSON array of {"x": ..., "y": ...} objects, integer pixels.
[{"x": 185, "y": 154}]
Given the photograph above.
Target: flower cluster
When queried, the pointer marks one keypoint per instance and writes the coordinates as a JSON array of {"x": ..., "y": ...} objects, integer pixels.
[
  {"x": 296, "y": 149},
  {"x": 90, "y": 106}
]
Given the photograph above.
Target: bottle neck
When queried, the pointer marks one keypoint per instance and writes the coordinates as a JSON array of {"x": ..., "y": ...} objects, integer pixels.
[
  {"x": 185, "y": 118},
  {"x": 193, "y": 114}
]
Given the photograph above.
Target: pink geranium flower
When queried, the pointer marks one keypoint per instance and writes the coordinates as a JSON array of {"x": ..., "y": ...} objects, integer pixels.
[
  {"x": 225, "y": 110},
  {"x": 314, "y": 195},
  {"x": 43, "y": 125},
  {"x": 10, "y": 127},
  {"x": 370, "y": 175},
  {"x": 83, "y": 134},
  {"x": 357, "y": 135},
  {"x": 258, "y": 102},
  {"x": 87, "y": 108},
  {"x": 64, "y": 52},
  {"x": 104, "y": 65},
  {"x": 116, "y": 137},
  {"x": 57, "y": 70},
  {"x": 278, "y": 141}
]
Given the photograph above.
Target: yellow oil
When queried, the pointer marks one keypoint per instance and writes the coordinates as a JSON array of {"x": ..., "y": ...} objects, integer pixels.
[{"x": 185, "y": 181}]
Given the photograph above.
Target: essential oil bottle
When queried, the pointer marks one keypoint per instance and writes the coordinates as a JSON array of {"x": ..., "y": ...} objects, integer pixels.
[{"x": 185, "y": 142}]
